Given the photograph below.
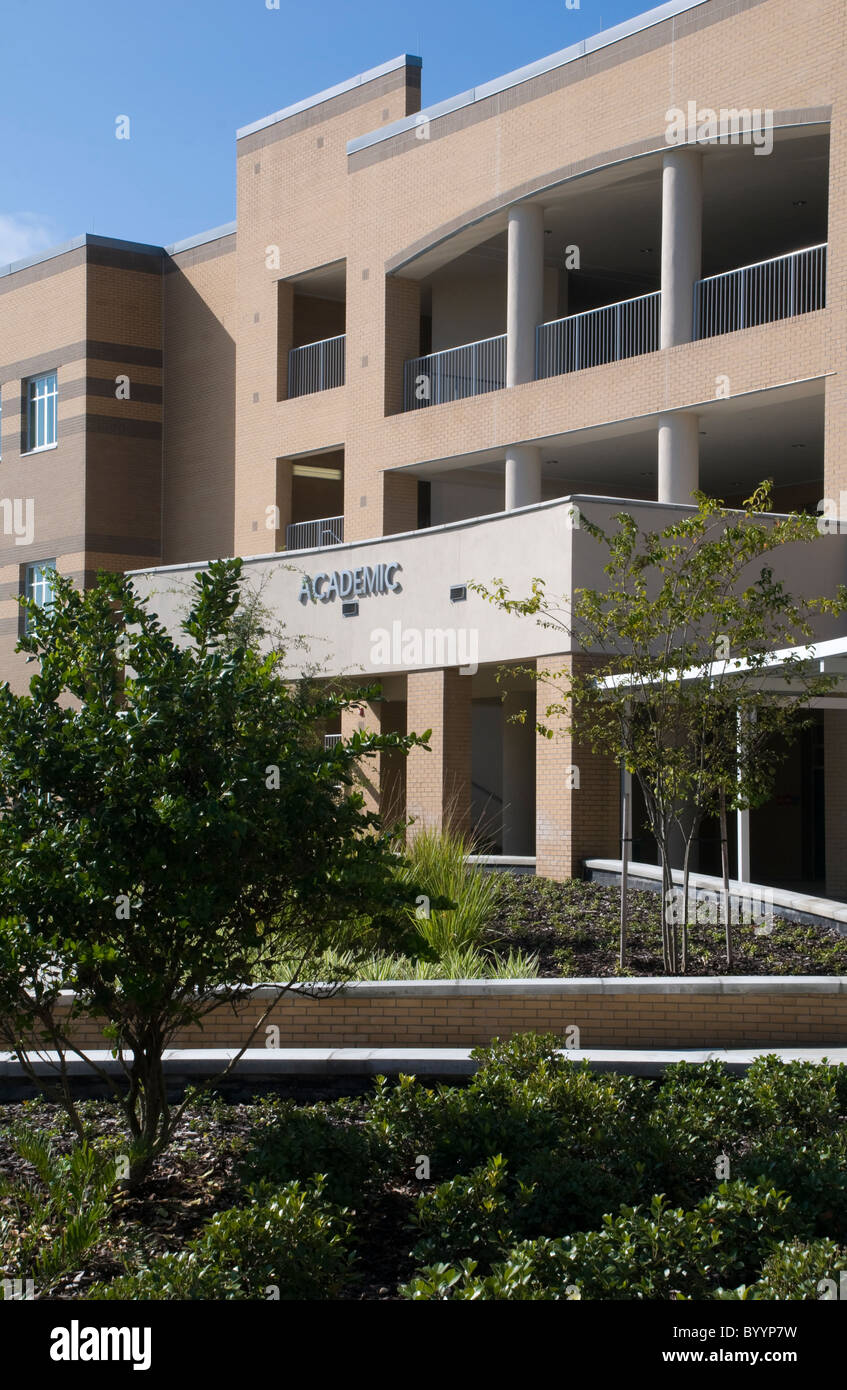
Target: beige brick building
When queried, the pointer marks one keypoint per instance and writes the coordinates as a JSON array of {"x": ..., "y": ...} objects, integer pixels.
[{"x": 618, "y": 273}]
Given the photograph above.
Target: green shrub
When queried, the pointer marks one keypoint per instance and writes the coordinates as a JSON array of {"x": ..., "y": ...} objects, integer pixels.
[
  {"x": 468, "y": 1216},
  {"x": 703, "y": 1112},
  {"x": 549, "y": 1102},
  {"x": 288, "y": 1243},
  {"x": 796, "y": 1270},
  {"x": 51, "y": 1220},
  {"x": 514, "y": 1279},
  {"x": 802, "y": 1096},
  {"x": 294, "y": 1142},
  {"x": 566, "y": 1193},
  {"x": 657, "y": 1253},
  {"x": 814, "y": 1171}
]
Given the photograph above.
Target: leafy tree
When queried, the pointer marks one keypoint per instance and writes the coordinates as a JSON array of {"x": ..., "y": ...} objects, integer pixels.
[
  {"x": 170, "y": 823},
  {"x": 678, "y": 647}
]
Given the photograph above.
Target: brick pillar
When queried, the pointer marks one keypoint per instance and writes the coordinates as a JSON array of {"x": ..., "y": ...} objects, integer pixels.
[
  {"x": 577, "y": 793},
  {"x": 366, "y": 717},
  {"x": 399, "y": 503},
  {"x": 402, "y": 341},
  {"x": 382, "y": 777},
  {"x": 402, "y": 335},
  {"x": 284, "y": 480},
  {"x": 284, "y": 336},
  {"x": 438, "y": 783},
  {"x": 835, "y": 800}
]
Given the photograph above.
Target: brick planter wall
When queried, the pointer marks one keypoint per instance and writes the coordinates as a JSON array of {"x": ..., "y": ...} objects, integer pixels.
[{"x": 737, "y": 1011}]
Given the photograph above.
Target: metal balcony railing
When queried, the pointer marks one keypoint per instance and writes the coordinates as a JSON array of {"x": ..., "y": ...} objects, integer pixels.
[
  {"x": 455, "y": 373},
  {"x": 598, "y": 336},
  {"x": 309, "y": 535},
  {"x": 761, "y": 293},
  {"x": 316, "y": 367},
  {"x": 330, "y": 740}
]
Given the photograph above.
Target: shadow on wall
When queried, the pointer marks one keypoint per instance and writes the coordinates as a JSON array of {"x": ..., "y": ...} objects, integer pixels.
[{"x": 199, "y": 426}]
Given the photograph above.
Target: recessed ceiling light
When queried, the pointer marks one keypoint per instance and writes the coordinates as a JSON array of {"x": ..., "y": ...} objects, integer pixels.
[
  {"x": 702, "y": 431},
  {"x": 798, "y": 446},
  {"x": 648, "y": 474},
  {"x": 548, "y": 231},
  {"x": 800, "y": 203},
  {"x": 646, "y": 250}
]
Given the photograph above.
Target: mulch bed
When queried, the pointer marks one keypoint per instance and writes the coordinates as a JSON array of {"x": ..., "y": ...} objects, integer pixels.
[
  {"x": 197, "y": 1177},
  {"x": 573, "y": 929}
]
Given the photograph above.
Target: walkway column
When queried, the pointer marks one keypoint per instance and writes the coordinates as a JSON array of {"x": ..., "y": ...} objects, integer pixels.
[
  {"x": 438, "y": 783},
  {"x": 523, "y": 476},
  {"x": 682, "y": 213},
  {"x": 577, "y": 792},
  {"x": 519, "y": 774},
  {"x": 679, "y": 456},
  {"x": 524, "y": 312}
]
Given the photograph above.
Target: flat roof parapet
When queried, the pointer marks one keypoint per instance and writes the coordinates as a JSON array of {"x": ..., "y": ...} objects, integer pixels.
[
  {"x": 526, "y": 73},
  {"x": 404, "y": 60},
  {"x": 139, "y": 248}
]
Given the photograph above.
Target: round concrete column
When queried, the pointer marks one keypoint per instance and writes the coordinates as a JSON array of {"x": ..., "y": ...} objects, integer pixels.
[
  {"x": 679, "y": 456},
  {"x": 525, "y": 291},
  {"x": 682, "y": 218},
  {"x": 523, "y": 476}
]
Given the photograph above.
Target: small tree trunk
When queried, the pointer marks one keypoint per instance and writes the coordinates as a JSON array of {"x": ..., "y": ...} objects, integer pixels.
[
  {"x": 668, "y": 929},
  {"x": 725, "y": 868},
  {"x": 625, "y": 840},
  {"x": 686, "y": 874}
]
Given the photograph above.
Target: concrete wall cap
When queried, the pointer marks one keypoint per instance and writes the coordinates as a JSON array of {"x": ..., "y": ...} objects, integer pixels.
[{"x": 526, "y": 73}]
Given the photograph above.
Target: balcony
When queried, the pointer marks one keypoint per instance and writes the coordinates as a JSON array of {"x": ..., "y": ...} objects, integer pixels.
[
  {"x": 742, "y": 298},
  {"x": 311, "y": 535},
  {"x": 761, "y": 293},
  {"x": 598, "y": 336},
  {"x": 316, "y": 367},
  {"x": 455, "y": 373}
]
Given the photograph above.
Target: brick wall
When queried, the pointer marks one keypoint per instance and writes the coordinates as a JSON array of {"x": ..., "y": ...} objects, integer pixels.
[{"x": 650, "y": 1013}]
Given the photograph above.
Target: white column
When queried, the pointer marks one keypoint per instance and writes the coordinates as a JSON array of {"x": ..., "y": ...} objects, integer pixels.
[
  {"x": 525, "y": 291},
  {"x": 518, "y": 777},
  {"x": 524, "y": 312},
  {"x": 742, "y": 819},
  {"x": 682, "y": 216},
  {"x": 743, "y": 833},
  {"x": 523, "y": 476},
  {"x": 679, "y": 456}
]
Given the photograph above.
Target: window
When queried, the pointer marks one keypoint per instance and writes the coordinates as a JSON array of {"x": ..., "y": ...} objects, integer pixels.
[
  {"x": 38, "y": 586},
  {"x": 41, "y": 392}
]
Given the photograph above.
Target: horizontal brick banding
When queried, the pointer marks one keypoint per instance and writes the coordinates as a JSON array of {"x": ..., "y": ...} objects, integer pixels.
[
  {"x": 77, "y": 352},
  {"x": 647, "y": 1013}
]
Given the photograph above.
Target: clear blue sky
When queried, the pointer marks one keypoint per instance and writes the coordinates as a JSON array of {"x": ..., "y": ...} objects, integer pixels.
[{"x": 188, "y": 73}]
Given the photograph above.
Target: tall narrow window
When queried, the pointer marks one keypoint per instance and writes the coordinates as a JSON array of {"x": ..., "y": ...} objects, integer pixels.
[
  {"x": 38, "y": 586},
  {"x": 42, "y": 392}
]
